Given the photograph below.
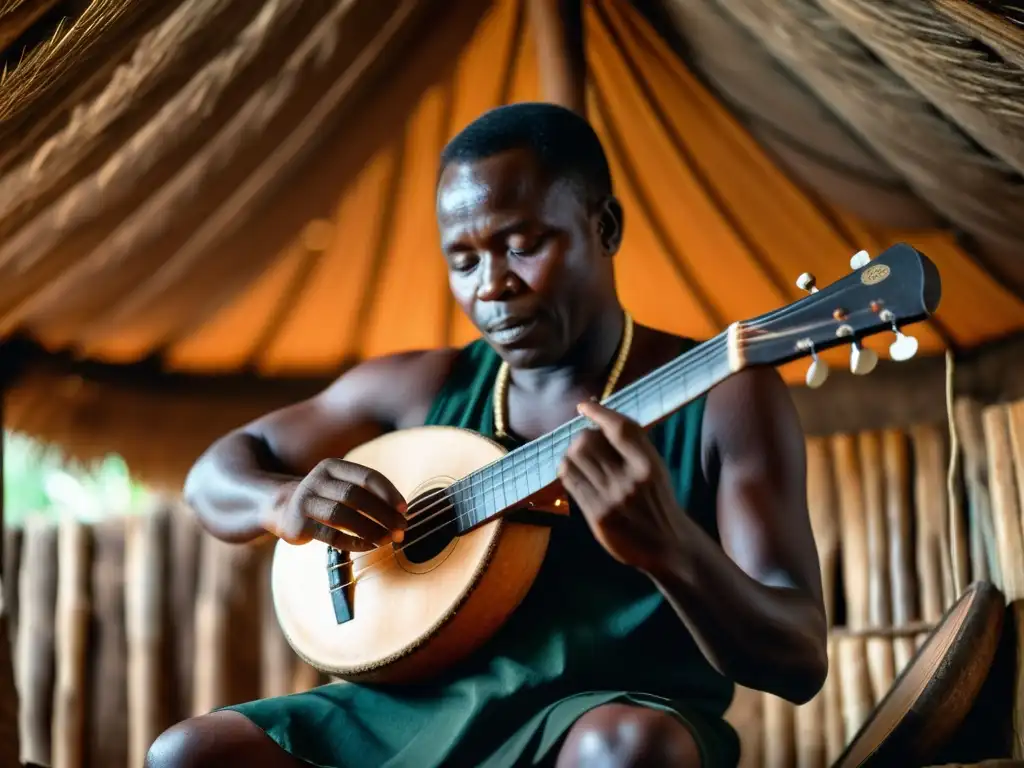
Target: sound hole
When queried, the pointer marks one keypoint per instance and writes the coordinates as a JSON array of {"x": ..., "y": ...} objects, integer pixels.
[{"x": 432, "y": 527}]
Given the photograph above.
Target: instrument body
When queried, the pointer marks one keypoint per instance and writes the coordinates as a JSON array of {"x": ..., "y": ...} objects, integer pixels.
[
  {"x": 405, "y": 618},
  {"x": 411, "y": 620}
]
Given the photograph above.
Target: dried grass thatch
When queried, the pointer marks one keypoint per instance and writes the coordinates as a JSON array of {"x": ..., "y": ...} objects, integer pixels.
[
  {"x": 1000, "y": 28},
  {"x": 980, "y": 92},
  {"x": 160, "y": 161},
  {"x": 68, "y": 64},
  {"x": 16, "y": 16},
  {"x": 158, "y": 68},
  {"x": 937, "y": 157},
  {"x": 9, "y": 6},
  {"x": 47, "y": 63}
]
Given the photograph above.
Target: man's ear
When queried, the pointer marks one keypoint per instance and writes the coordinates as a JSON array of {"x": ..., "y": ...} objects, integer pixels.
[{"x": 610, "y": 225}]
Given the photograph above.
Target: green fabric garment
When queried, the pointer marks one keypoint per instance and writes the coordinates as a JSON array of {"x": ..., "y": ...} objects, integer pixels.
[{"x": 591, "y": 631}]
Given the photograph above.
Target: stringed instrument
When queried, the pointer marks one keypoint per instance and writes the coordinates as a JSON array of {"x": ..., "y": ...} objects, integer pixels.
[{"x": 479, "y": 516}]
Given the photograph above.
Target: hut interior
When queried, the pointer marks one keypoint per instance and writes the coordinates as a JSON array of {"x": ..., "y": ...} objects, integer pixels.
[{"x": 210, "y": 208}]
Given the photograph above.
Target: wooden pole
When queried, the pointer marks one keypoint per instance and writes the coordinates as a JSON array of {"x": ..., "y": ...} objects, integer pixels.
[
  {"x": 1005, "y": 513},
  {"x": 1000, "y": 433},
  {"x": 145, "y": 588},
  {"x": 975, "y": 463},
  {"x": 35, "y": 649},
  {"x": 558, "y": 30},
  {"x": 852, "y": 529},
  {"x": 9, "y": 747},
  {"x": 73, "y": 609},
  {"x": 934, "y": 565},
  {"x": 899, "y": 511},
  {"x": 106, "y": 699},
  {"x": 1015, "y": 417},
  {"x": 881, "y": 665},
  {"x": 812, "y": 720}
]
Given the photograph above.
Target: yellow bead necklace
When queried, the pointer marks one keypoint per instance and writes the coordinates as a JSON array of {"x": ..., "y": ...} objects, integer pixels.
[{"x": 501, "y": 383}]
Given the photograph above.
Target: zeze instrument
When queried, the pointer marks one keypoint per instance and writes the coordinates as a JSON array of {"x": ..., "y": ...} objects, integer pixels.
[{"x": 479, "y": 515}]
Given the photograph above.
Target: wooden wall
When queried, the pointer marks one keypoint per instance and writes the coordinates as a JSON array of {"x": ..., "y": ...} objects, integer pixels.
[
  {"x": 894, "y": 557},
  {"x": 146, "y": 615},
  {"x": 122, "y": 628}
]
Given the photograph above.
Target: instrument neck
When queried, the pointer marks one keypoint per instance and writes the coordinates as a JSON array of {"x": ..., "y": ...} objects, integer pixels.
[{"x": 522, "y": 473}]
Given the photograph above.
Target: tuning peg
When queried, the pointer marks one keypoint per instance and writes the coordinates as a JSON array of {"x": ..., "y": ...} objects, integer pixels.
[
  {"x": 904, "y": 348},
  {"x": 806, "y": 282},
  {"x": 817, "y": 373},
  {"x": 862, "y": 360},
  {"x": 859, "y": 259}
]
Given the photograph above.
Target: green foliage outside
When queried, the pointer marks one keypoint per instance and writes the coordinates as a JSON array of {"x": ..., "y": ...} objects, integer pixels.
[{"x": 40, "y": 480}]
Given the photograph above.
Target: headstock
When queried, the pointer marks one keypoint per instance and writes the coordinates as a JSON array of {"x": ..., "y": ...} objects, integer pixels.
[{"x": 900, "y": 287}]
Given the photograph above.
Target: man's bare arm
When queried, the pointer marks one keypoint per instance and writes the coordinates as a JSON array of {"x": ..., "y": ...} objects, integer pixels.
[
  {"x": 244, "y": 480},
  {"x": 754, "y": 605}
]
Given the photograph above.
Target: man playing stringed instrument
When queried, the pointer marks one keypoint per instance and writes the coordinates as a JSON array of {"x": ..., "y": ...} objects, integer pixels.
[{"x": 687, "y": 564}]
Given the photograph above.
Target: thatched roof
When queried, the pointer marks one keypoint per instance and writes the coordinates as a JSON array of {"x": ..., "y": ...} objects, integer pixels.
[{"x": 209, "y": 208}]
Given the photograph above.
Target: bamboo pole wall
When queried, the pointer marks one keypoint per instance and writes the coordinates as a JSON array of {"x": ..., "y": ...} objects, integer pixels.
[
  {"x": 128, "y": 626},
  {"x": 148, "y": 616},
  {"x": 1003, "y": 426},
  {"x": 10, "y": 748},
  {"x": 146, "y": 577},
  {"x": 891, "y": 557},
  {"x": 35, "y": 640}
]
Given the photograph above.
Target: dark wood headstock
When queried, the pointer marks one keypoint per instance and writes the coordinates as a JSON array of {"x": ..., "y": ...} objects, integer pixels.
[{"x": 898, "y": 288}]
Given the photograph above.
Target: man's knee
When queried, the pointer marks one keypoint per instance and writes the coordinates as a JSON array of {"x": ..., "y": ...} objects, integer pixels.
[
  {"x": 629, "y": 737},
  {"x": 218, "y": 739}
]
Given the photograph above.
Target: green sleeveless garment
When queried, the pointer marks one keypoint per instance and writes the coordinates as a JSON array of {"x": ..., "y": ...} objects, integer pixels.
[{"x": 591, "y": 631}]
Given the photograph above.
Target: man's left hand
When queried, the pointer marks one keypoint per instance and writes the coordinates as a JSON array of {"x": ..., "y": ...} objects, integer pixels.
[{"x": 622, "y": 487}]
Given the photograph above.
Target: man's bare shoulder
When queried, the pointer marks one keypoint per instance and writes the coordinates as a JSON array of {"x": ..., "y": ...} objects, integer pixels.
[
  {"x": 751, "y": 416},
  {"x": 373, "y": 397},
  {"x": 397, "y": 390}
]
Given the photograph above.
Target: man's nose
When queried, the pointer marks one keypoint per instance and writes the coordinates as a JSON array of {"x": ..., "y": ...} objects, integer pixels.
[{"x": 496, "y": 280}]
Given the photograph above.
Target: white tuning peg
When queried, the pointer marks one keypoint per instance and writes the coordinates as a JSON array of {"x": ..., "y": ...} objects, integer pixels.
[
  {"x": 817, "y": 373},
  {"x": 806, "y": 282},
  {"x": 904, "y": 348},
  {"x": 862, "y": 360},
  {"x": 859, "y": 259}
]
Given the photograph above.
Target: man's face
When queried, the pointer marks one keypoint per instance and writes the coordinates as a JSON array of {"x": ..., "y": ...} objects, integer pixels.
[{"x": 525, "y": 260}]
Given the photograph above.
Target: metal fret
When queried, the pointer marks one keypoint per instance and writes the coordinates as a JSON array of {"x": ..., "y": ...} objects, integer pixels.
[{"x": 532, "y": 467}]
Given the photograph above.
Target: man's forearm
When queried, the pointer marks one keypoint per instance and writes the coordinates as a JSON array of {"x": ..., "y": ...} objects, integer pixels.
[
  {"x": 771, "y": 638},
  {"x": 233, "y": 487}
]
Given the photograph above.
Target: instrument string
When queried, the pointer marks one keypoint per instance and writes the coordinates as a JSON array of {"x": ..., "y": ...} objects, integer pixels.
[
  {"x": 392, "y": 557},
  {"x": 671, "y": 369},
  {"x": 433, "y": 504},
  {"x": 705, "y": 351},
  {"x": 568, "y": 426},
  {"x": 438, "y": 506},
  {"x": 434, "y": 507}
]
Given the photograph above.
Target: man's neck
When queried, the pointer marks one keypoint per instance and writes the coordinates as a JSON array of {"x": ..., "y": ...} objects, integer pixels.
[{"x": 587, "y": 364}]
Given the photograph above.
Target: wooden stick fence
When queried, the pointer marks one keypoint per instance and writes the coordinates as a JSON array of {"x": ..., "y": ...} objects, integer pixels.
[
  {"x": 1004, "y": 439},
  {"x": 891, "y": 555},
  {"x": 122, "y": 628}
]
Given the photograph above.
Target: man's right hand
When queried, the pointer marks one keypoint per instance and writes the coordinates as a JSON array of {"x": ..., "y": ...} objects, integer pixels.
[{"x": 347, "y": 506}]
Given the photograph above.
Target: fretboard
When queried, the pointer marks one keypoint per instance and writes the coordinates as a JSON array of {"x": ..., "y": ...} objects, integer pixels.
[{"x": 508, "y": 482}]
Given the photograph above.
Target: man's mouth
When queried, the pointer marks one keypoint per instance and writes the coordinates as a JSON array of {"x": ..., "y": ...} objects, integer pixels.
[{"x": 511, "y": 330}]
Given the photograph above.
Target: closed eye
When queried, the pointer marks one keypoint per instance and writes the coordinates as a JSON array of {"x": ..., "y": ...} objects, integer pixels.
[
  {"x": 463, "y": 262},
  {"x": 531, "y": 249}
]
